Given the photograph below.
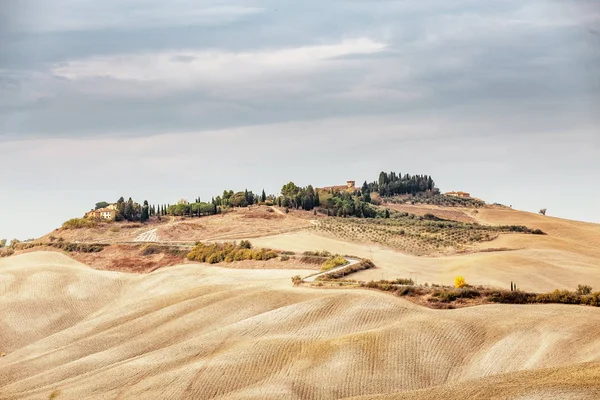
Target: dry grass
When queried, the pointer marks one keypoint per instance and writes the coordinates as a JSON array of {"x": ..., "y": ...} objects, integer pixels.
[{"x": 207, "y": 332}]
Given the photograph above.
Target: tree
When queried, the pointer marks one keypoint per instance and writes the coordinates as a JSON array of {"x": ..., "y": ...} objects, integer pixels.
[
  {"x": 2, "y": 243},
  {"x": 290, "y": 189},
  {"x": 101, "y": 204},
  {"x": 459, "y": 282},
  {"x": 365, "y": 188},
  {"x": 584, "y": 289},
  {"x": 387, "y": 213},
  {"x": 263, "y": 196},
  {"x": 543, "y": 211},
  {"x": 120, "y": 216},
  {"x": 238, "y": 200},
  {"x": 145, "y": 212},
  {"x": 129, "y": 210}
]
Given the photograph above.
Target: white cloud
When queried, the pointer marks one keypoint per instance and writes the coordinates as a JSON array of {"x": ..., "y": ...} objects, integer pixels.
[{"x": 179, "y": 69}]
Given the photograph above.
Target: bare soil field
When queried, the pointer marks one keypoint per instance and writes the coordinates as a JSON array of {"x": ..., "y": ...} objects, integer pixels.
[{"x": 199, "y": 331}]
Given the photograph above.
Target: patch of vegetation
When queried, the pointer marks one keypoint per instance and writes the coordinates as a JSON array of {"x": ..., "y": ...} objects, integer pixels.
[
  {"x": 453, "y": 296},
  {"x": 418, "y": 235},
  {"x": 65, "y": 246},
  {"x": 435, "y": 198},
  {"x": 362, "y": 265},
  {"x": 333, "y": 262},
  {"x": 80, "y": 223},
  {"x": 314, "y": 257},
  {"x": 228, "y": 252},
  {"x": 150, "y": 249}
]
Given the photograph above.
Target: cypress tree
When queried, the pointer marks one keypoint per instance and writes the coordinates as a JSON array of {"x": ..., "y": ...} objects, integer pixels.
[
  {"x": 263, "y": 196},
  {"x": 144, "y": 217}
]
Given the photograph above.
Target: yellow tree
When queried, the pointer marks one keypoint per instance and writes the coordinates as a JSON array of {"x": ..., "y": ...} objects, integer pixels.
[{"x": 459, "y": 282}]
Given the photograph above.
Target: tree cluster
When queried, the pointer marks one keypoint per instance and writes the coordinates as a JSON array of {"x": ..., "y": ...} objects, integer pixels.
[
  {"x": 237, "y": 199},
  {"x": 292, "y": 196},
  {"x": 391, "y": 184}
]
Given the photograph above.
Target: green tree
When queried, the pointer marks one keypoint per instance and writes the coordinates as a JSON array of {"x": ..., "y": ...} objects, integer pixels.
[
  {"x": 101, "y": 204},
  {"x": 365, "y": 188},
  {"x": 120, "y": 215},
  {"x": 238, "y": 200},
  {"x": 290, "y": 189},
  {"x": 129, "y": 210},
  {"x": 145, "y": 212},
  {"x": 387, "y": 213},
  {"x": 263, "y": 196},
  {"x": 2, "y": 243}
]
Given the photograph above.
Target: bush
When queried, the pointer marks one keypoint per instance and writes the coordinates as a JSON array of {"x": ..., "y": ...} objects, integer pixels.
[
  {"x": 284, "y": 257},
  {"x": 362, "y": 265},
  {"x": 296, "y": 280},
  {"x": 229, "y": 252},
  {"x": 150, "y": 249},
  {"x": 80, "y": 223},
  {"x": 584, "y": 289},
  {"x": 511, "y": 297},
  {"x": 459, "y": 282},
  {"x": 333, "y": 263}
]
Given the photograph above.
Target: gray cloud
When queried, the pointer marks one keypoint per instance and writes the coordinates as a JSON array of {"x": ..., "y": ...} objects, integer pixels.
[{"x": 436, "y": 74}]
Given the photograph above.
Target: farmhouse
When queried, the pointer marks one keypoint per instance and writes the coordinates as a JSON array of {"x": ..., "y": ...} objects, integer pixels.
[
  {"x": 349, "y": 186},
  {"x": 463, "y": 195},
  {"x": 107, "y": 213}
]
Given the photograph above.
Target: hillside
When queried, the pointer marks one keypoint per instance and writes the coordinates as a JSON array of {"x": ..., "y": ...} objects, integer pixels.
[
  {"x": 566, "y": 256},
  {"x": 241, "y": 330},
  {"x": 211, "y": 332}
]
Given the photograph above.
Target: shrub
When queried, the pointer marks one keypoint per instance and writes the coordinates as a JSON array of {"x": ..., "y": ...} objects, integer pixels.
[
  {"x": 80, "y": 223},
  {"x": 511, "y": 297},
  {"x": 362, "y": 265},
  {"x": 150, "y": 249},
  {"x": 333, "y": 262},
  {"x": 296, "y": 280},
  {"x": 216, "y": 253},
  {"x": 284, "y": 257},
  {"x": 558, "y": 296},
  {"x": 459, "y": 282},
  {"x": 584, "y": 289},
  {"x": 245, "y": 244}
]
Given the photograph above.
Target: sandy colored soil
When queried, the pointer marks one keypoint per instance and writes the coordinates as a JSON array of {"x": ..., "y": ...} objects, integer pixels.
[
  {"x": 238, "y": 223},
  {"x": 449, "y": 213},
  {"x": 197, "y": 331},
  {"x": 567, "y": 256}
]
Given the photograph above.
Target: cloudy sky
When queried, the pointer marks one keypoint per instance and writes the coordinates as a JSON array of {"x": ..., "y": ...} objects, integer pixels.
[{"x": 161, "y": 100}]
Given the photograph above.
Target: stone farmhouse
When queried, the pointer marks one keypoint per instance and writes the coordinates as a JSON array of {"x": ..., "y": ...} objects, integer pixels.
[
  {"x": 106, "y": 213},
  {"x": 350, "y": 186},
  {"x": 463, "y": 195}
]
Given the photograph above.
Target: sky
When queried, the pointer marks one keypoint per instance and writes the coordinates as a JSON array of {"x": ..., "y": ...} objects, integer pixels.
[{"x": 162, "y": 100}]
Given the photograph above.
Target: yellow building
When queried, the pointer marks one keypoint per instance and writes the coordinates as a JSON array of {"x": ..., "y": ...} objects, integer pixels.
[
  {"x": 463, "y": 195},
  {"x": 349, "y": 186},
  {"x": 107, "y": 213}
]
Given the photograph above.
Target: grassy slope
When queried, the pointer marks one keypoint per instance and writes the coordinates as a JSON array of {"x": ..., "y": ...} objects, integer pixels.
[{"x": 209, "y": 332}]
